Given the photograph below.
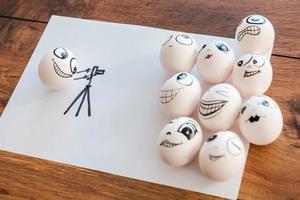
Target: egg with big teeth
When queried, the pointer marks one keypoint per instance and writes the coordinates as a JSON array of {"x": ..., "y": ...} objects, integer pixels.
[
  {"x": 252, "y": 74},
  {"x": 219, "y": 107},
  {"x": 180, "y": 95},
  {"x": 57, "y": 68},
  {"x": 255, "y": 33},
  {"x": 178, "y": 53},
  {"x": 222, "y": 156},
  {"x": 261, "y": 120},
  {"x": 179, "y": 141}
]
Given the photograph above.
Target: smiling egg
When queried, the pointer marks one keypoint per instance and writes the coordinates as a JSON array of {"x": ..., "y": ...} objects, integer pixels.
[
  {"x": 222, "y": 156},
  {"x": 179, "y": 141},
  {"x": 252, "y": 74},
  {"x": 219, "y": 107},
  {"x": 261, "y": 120},
  {"x": 215, "y": 61},
  {"x": 255, "y": 33},
  {"x": 178, "y": 53},
  {"x": 180, "y": 95},
  {"x": 57, "y": 67}
]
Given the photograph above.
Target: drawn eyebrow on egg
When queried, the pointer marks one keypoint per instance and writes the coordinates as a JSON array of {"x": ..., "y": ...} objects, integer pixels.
[
  {"x": 248, "y": 61},
  {"x": 167, "y": 40},
  {"x": 221, "y": 92},
  {"x": 235, "y": 145}
]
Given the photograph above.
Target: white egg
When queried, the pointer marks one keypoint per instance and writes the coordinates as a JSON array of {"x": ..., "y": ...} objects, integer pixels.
[
  {"x": 222, "y": 156},
  {"x": 215, "y": 61},
  {"x": 219, "y": 107},
  {"x": 255, "y": 33},
  {"x": 252, "y": 74},
  {"x": 178, "y": 53},
  {"x": 57, "y": 67},
  {"x": 261, "y": 120},
  {"x": 179, "y": 96},
  {"x": 179, "y": 141}
]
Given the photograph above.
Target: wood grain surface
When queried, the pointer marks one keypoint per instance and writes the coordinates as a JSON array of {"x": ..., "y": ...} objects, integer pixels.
[
  {"x": 213, "y": 17},
  {"x": 271, "y": 172}
]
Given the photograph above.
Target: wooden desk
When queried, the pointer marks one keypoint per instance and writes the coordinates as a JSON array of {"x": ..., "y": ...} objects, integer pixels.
[{"x": 272, "y": 172}]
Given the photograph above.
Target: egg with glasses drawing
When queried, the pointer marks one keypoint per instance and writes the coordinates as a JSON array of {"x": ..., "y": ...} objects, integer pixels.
[
  {"x": 180, "y": 95},
  {"x": 178, "y": 53},
  {"x": 222, "y": 156},
  {"x": 252, "y": 74},
  {"x": 57, "y": 67},
  {"x": 179, "y": 141},
  {"x": 219, "y": 107},
  {"x": 255, "y": 33}
]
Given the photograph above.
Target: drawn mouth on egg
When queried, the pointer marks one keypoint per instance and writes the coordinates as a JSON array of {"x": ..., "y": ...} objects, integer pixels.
[
  {"x": 209, "y": 109},
  {"x": 255, "y": 118},
  {"x": 168, "y": 95},
  {"x": 215, "y": 157},
  {"x": 59, "y": 72},
  {"x": 250, "y": 30},
  {"x": 208, "y": 56},
  {"x": 168, "y": 144},
  {"x": 251, "y": 73}
]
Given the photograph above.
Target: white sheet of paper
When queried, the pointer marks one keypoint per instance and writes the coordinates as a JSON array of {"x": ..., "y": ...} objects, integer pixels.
[{"x": 121, "y": 135}]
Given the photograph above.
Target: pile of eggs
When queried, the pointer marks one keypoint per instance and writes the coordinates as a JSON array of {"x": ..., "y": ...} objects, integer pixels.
[{"x": 222, "y": 155}]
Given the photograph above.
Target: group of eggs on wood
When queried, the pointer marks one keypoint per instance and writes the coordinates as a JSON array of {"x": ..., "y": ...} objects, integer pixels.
[{"x": 222, "y": 155}]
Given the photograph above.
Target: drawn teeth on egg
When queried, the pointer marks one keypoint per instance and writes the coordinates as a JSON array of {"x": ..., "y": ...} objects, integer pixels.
[
  {"x": 250, "y": 30},
  {"x": 251, "y": 73},
  {"x": 215, "y": 157},
  {"x": 168, "y": 144},
  {"x": 168, "y": 95},
  {"x": 209, "y": 109},
  {"x": 59, "y": 72}
]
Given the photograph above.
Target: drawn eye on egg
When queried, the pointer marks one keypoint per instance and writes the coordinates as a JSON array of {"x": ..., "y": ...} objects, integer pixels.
[
  {"x": 188, "y": 129},
  {"x": 243, "y": 109},
  {"x": 184, "y": 79},
  {"x": 184, "y": 39},
  {"x": 255, "y": 20},
  {"x": 267, "y": 104},
  {"x": 60, "y": 53},
  {"x": 258, "y": 61},
  {"x": 73, "y": 65},
  {"x": 222, "y": 46},
  {"x": 234, "y": 146},
  {"x": 211, "y": 138}
]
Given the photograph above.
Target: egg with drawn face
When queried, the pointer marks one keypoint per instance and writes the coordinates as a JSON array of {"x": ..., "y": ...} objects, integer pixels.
[
  {"x": 219, "y": 107},
  {"x": 179, "y": 141},
  {"x": 255, "y": 33},
  {"x": 178, "y": 53},
  {"x": 180, "y": 95},
  {"x": 222, "y": 156},
  {"x": 252, "y": 74},
  {"x": 57, "y": 68},
  {"x": 215, "y": 61},
  {"x": 260, "y": 120}
]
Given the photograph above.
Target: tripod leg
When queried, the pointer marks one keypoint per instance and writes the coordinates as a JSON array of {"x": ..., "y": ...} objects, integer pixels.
[
  {"x": 74, "y": 101},
  {"x": 82, "y": 100},
  {"x": 89, "y": 102}
]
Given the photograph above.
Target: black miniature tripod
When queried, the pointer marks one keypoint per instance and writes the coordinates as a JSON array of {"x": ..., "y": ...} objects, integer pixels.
[{"x": 85, "y": 93}]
